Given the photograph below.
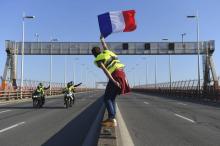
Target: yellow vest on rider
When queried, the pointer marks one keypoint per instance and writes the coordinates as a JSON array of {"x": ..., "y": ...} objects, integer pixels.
[
  {"x": 110, "y": 60},
  {"x": 71, "y": 89},
  {"x": 40, "y": 90}
]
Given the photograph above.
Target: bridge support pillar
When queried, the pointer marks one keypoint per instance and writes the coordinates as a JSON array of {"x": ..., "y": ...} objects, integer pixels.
[
  {"x": 209, "y": 74},
  {"x": 10, "y": 67}
]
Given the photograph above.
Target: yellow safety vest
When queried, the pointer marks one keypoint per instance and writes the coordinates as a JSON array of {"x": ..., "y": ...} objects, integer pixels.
[
  {"x": 110, "y": 60},
  {"x": 70, "y": 89},
  {"x": 40, "y": 90}
]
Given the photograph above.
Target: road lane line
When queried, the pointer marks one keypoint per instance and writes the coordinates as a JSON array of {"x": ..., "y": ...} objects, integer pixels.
[
  {"x": 146, "y": 102},
  {"x": 190, "y": 120},
  {"x": 125, "y": 135},
  {"x": 13, "y": 126},
  {"x": 5, "y": 111},
  {"x": 180, "y": 103}
]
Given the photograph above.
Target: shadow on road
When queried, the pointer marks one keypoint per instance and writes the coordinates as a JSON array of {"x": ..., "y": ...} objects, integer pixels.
[{"x": 74, "y": 133}]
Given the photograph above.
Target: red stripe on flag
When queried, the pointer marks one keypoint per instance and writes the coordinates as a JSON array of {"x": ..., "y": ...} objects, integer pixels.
[{"x": 129, "y": 19}]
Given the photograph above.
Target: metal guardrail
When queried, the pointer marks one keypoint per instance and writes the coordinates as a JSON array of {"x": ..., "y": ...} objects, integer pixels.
[
  {"x": 27, "y": 92},
  {"x": 30, "y": 86},
  {"x": 187, "y": 88}
]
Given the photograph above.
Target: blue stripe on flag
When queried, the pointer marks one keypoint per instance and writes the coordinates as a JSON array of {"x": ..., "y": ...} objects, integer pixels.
[{"x": 105, "y": 24}]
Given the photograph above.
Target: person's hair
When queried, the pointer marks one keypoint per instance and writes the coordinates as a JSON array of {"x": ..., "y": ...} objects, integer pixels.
[{"x": 96, "y": 51}]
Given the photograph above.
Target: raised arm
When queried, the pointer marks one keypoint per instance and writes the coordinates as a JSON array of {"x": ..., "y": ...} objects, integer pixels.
[
  {"x": 77, "y": 85},
  {"x": 45, "y": 88},
  {"x": 105, "y": 46}
]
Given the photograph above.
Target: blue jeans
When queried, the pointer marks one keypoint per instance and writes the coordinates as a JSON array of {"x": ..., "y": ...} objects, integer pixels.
[{"x": 111, "y": 92}]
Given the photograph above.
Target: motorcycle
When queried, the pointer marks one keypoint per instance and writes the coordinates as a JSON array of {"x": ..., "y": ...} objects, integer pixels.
[
  {"x": 69, "y": 99},
  {"x": 37, "y": 100}
]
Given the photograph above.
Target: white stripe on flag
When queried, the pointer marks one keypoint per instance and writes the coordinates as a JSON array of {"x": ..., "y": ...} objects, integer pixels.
[{"x": 117, "y": 20}]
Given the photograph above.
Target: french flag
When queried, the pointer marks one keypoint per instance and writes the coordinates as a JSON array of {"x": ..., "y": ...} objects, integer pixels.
[{"x": 117, "y": 21}]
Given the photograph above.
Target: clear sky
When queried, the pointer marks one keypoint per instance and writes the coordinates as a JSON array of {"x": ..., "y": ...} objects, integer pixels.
[{"x": 76, "y": 20}]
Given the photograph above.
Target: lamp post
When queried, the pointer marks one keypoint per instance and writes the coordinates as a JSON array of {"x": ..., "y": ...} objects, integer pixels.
[
  {"x": 155, "y": 71},
  {"x": 170, "y": 70},
  {"x": 198, "y": 49},
  {"x": 86, "y": 77},
  {"x": 182, "y": 35},
  {"x": 37, "y": 36},
  {"x": 51, "y": 62},
  {"x": 146, "y": 70},
  {"x": 22, "y": 51},
  {"x": 82, "y": 65},
  {"x": 74, "y": 68},
  {"x": 136, "y": 74},
  {"x": 132, "y": 70},
  {"x": 65, "y": 69}
]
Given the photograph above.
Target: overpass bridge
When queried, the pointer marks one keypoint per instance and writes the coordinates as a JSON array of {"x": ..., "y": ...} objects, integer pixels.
[{"x": 206, "y": 49}]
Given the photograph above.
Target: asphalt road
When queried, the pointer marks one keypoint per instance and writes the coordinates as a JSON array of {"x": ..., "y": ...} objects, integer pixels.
[
  {"x": 150, "y": 121},
  {"x": 158, "y": 121},
  {"x": 21, "y": 125}
]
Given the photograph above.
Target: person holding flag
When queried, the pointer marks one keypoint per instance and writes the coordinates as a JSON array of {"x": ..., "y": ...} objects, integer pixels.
[{"x": 108, "y": 61}]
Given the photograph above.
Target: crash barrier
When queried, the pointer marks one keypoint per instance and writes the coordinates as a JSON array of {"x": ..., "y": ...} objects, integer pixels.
[
  {"x": 189, "y": 88},
  {"x": 108, "y": 136},
  {"x": 9, "y": 92},
  {"x": 28, "y": 91}
]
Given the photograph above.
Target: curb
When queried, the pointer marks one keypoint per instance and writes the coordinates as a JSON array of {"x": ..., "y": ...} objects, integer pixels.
[{"x": 108, "y": 136}]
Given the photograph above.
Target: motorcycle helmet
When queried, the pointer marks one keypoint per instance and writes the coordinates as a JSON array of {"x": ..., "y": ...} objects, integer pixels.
[
  {"x": 68, "y": 84},
  {"x": 40, "y": 85}
]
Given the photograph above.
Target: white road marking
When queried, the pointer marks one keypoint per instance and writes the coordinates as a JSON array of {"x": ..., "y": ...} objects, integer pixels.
[
  {"x": 126, "y": 137},
  {"x": 5, "y": 111},
  {"x": 146, "y": 102},
  {"x": 185, "y": 118},
  {"x": 13, "y": 126},
  {"x": 180, "y": 103}
]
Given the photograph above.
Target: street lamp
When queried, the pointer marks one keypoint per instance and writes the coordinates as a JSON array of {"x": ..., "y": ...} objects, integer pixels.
[
  {"x": 146, "y": 70},
  {"x": 37, "y": 36},
  {"x": 155, "y": 71},
  {"x": 74, "y": 68},
  {"x": 132, "y": 70},
  {"x": 164, "y": 39},
  {"x": 51, "y": 60},
  {"x": 87, "y": 77},
  {"x": 182, "y": 35},
  {"x": 170, "y": 72},
  {"x": 198, "y": 49},
  {"x": 22, "y": 51},
  {"x": 82, "y": 65},
  {"x": 65, "y": 69}
]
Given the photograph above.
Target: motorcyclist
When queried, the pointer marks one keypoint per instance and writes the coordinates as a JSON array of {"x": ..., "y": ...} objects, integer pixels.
[
  {"x": 41, "y": 90},
  {"x": 71, "y": 87}
]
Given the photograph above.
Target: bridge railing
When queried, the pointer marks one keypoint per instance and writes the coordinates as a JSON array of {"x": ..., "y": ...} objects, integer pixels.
[
  {"x": 30, "y": 86},
  {"x": 188, "y": 88}
]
